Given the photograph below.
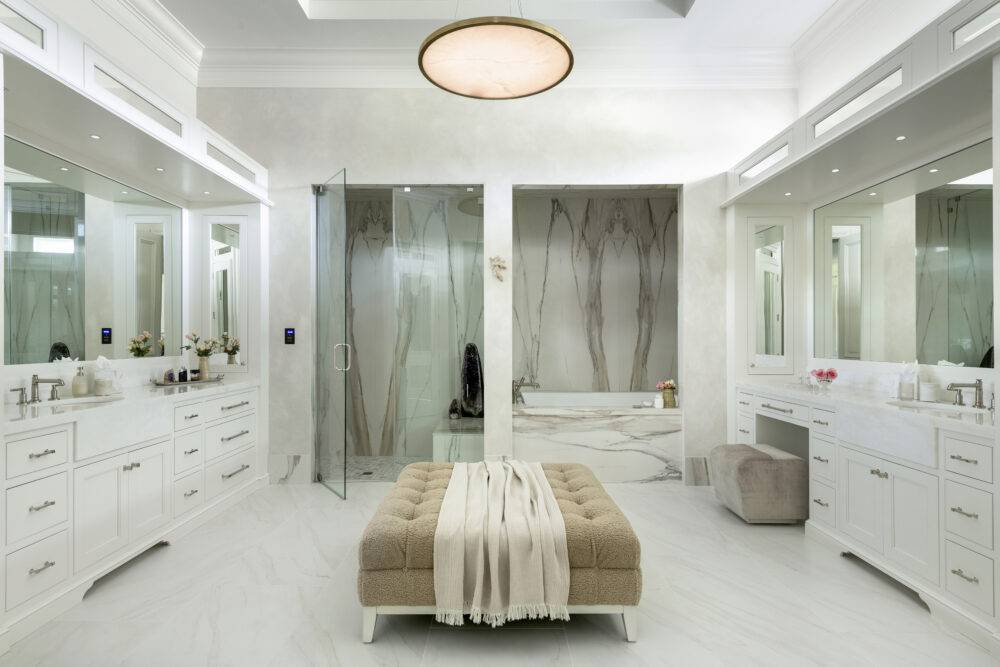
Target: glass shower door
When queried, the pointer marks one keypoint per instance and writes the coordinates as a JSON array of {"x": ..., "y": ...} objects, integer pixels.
[{"x": 333, "y": 353}]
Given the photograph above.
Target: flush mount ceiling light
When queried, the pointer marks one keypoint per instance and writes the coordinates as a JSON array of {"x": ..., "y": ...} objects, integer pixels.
[{"x": 496, "y": 58}]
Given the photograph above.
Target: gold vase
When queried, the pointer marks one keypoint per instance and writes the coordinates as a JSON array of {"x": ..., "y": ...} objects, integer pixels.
[
  {"x": 202, "y": 368},
  {"x": 669, "y": 398}
]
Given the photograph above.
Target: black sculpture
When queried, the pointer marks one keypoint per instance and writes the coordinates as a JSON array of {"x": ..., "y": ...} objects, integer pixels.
[{"x": 472, "y": 383}]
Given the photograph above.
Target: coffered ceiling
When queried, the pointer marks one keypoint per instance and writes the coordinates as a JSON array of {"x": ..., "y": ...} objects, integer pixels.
[{"x": 373, "y": 43}]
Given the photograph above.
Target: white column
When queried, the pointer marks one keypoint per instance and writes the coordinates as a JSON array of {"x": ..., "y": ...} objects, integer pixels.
[{"x": 498, "y": 319}]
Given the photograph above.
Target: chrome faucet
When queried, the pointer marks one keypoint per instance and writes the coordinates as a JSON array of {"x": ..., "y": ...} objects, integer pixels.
[
  {"x": 959, "y": 386},
  {"x": 53, "y": 395},
  {"x": 518, "y": 385}
]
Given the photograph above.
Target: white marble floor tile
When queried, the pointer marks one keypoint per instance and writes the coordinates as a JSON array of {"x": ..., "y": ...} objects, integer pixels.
[{"x": 273, "y": 582}]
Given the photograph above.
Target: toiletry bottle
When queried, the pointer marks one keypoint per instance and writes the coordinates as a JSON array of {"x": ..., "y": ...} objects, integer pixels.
[{"x": 79, "y": 385}]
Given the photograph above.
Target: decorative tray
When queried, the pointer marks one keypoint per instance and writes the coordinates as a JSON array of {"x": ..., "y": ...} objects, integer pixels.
[{"x": 161, "y": 383}]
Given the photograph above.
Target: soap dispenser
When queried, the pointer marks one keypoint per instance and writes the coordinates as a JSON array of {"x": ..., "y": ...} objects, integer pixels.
[{"x": 80, "y": 386}]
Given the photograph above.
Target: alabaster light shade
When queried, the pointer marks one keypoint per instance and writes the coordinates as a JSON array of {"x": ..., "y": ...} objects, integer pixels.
[{"x": 496, "y": 58}]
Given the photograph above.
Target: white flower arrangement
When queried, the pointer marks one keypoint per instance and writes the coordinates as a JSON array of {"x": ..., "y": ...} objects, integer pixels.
[
  {"x": 229, "y": 344},
  {"x": 141, "y": 345},
  {"x": 203, "y": 347}
]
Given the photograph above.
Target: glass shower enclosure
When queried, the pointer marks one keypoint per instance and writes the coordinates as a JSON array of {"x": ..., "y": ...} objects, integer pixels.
[{"x": 399, "y": 306}]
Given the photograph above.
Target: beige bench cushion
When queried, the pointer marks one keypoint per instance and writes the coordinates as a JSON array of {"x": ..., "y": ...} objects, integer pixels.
[
  {"x": 760, "y": 483},
  {"x": 396, "y": 555}
]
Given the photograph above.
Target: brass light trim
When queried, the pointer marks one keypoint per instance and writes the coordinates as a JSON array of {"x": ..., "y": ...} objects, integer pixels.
[{"x": 511, "y": 21}]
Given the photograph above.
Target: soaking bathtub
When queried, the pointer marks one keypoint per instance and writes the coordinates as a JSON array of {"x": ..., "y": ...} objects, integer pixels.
[{"x": 610, "y": 432}]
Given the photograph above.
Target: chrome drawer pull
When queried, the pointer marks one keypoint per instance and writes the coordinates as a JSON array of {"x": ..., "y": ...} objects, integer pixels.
[
  {"x": 821, "y": 459},
  {"x": 956, "y": 457},
  {"x": 38, "y": 455},
  {"x": 243, "y": 467},
  {"x": 820, "y": 502},
  {"x": 188, "y": 452},
  {"x": 878, "y": 473},
  {"x": 237, "y": 405},
  {"x": 194, "y": 416},
  {"x": 959, "y": 573},
  {"x": 237, "y": 435},
  {"x": 744, "y": 403},
  {"x": 787, "y": 411},
  {"x": 744, "y": 431},
  {"x": 188, "y": 494},
  {"x": 35, "y": 570},
  {"x": 35, "y": 508},
  {"x": 959, "y": 510},
  {"x": 821, "y": 423},
  {"x": 128, "y": 467}
]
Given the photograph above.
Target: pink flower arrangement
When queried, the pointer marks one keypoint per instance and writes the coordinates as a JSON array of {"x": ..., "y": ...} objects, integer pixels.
[
  {"x": 668, "y": 384},
  {"x": 824, "y": 375}
]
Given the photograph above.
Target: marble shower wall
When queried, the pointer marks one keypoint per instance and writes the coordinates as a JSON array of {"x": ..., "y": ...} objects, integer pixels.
[
  {"x": 954, "y": 259},
  {"x": 595, "y": 289},
  {"x": 414, "y": 299}
]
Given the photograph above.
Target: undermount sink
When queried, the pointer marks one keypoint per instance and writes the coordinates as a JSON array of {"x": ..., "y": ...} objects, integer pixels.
[
  {"x": 939, "y": 408},
  {"x": 85, "y": 400}
]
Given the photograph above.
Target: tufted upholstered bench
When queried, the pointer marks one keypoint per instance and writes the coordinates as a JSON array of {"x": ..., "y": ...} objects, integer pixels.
[{"x": 396, "y": 556}]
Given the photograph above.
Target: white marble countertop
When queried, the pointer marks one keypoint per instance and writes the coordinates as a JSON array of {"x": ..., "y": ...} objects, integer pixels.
[
  {"x": 539, "y": 411},
  {"x": 847, "y": 398},
  {"x": 51, "y": 413}
]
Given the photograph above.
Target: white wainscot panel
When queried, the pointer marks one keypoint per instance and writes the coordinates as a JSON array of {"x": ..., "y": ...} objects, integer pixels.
[{"x": 641, "y": 446}]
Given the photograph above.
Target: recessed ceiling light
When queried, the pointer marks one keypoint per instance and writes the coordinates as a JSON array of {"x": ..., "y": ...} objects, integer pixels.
[
  {"x": 63, "y": 168},
  {"x": 901, "y": 137},
  {"x": 835, "y": 171},
  {"x": 470, "y": 189},
  {"x": 159, "y": 169},
  {"x": 406, "y": 189},
  {"x": 124, "y": 192},
  {"x": 934, "y": 171},
  {"x": 95, "y": 137},
  {"x": 872, "y": 194},
  {"x": 788, "y": 194},
  {"x": 206, "y": 192}
]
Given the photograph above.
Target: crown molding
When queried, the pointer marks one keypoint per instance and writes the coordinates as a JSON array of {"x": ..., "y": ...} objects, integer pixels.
[
  {"x": 594, "y": 68},
  {"x": 827, "y": 28},
  {"x": 150, "y": 21}
]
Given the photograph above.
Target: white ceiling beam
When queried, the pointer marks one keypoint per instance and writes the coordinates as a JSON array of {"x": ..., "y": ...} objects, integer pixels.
[{"x": 448, "y": 10}]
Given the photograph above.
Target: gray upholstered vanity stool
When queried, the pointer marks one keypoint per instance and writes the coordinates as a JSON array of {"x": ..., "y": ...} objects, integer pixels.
[{"x": 760, "y": 483}]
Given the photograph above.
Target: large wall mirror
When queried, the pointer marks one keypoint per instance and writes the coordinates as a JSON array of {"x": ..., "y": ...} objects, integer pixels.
[
  {"x": 904, "y": 269},
  {"x": 226, "y": 278},
  {"x": 90, "y": 264}
]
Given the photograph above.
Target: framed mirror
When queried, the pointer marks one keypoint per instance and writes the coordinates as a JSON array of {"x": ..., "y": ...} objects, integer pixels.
[
  {"x": 92, "y": 266},
  {"x": 769, "y": 264},
  {"x": 904, "y": 268},
  {"x": 227, "y": 241}
]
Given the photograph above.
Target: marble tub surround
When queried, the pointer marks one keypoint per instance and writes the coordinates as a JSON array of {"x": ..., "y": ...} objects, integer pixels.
[
  {"x": 618, "y": 443},
  {"x": 595, "y": 288}
]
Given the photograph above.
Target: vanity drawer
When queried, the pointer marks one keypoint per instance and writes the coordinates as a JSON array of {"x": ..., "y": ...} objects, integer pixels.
[
  {"x": 822, "y": 460},
  {"x": 187, "y": 416},
  {"x": 189, "y": 493},
  {"x": 189, "y": 451},
  {"x": 783, "y": 409},
  {"x": 822, "y": 503},
  {"x": 37, "y": 453},
  {"x": 969, "y": 513},
  {"x": 36, "y": 568},
  {"x": 230, "y": 406},
  {"x": 35, "y": 506},
  {"x": 822, "y": 421},
  {"x": 229, "y": 473},
  {"x": 744, "y": 429},
  {"x": 229, "y": 436},
  {"x": 744, "y": 402},
  {"x": 968, "y": 458},
  {"x": 969, "y": 576}
]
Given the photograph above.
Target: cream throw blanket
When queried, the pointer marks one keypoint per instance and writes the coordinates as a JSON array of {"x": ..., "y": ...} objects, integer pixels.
[{"x": 500, "y": 546}]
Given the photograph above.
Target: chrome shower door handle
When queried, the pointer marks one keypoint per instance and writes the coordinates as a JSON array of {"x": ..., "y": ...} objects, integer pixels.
[{"x": 348, "y": 356}]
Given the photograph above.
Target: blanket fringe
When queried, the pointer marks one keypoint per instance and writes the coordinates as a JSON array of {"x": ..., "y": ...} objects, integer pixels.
[{"x": 514, "y": 613}]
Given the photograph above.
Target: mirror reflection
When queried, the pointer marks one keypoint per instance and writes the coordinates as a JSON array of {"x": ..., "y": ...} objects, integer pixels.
[
  {"x": 769, "y": 288},
  {"x": 904, "y": 269},
  {"x": 225, "y": 259},
  {"x": 91, "y": 266}
]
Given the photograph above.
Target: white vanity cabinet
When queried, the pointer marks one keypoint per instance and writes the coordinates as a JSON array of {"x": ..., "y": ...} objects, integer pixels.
[{"x": 73, "y": 510}]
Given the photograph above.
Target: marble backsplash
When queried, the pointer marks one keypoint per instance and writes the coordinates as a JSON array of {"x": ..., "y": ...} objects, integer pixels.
[{"x": 595, "y": 289}]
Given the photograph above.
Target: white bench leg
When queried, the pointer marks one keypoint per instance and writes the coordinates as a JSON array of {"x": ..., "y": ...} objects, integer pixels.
[
  {"x": 631, "y": 619},
  {"x": 369, "y": 616}
]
